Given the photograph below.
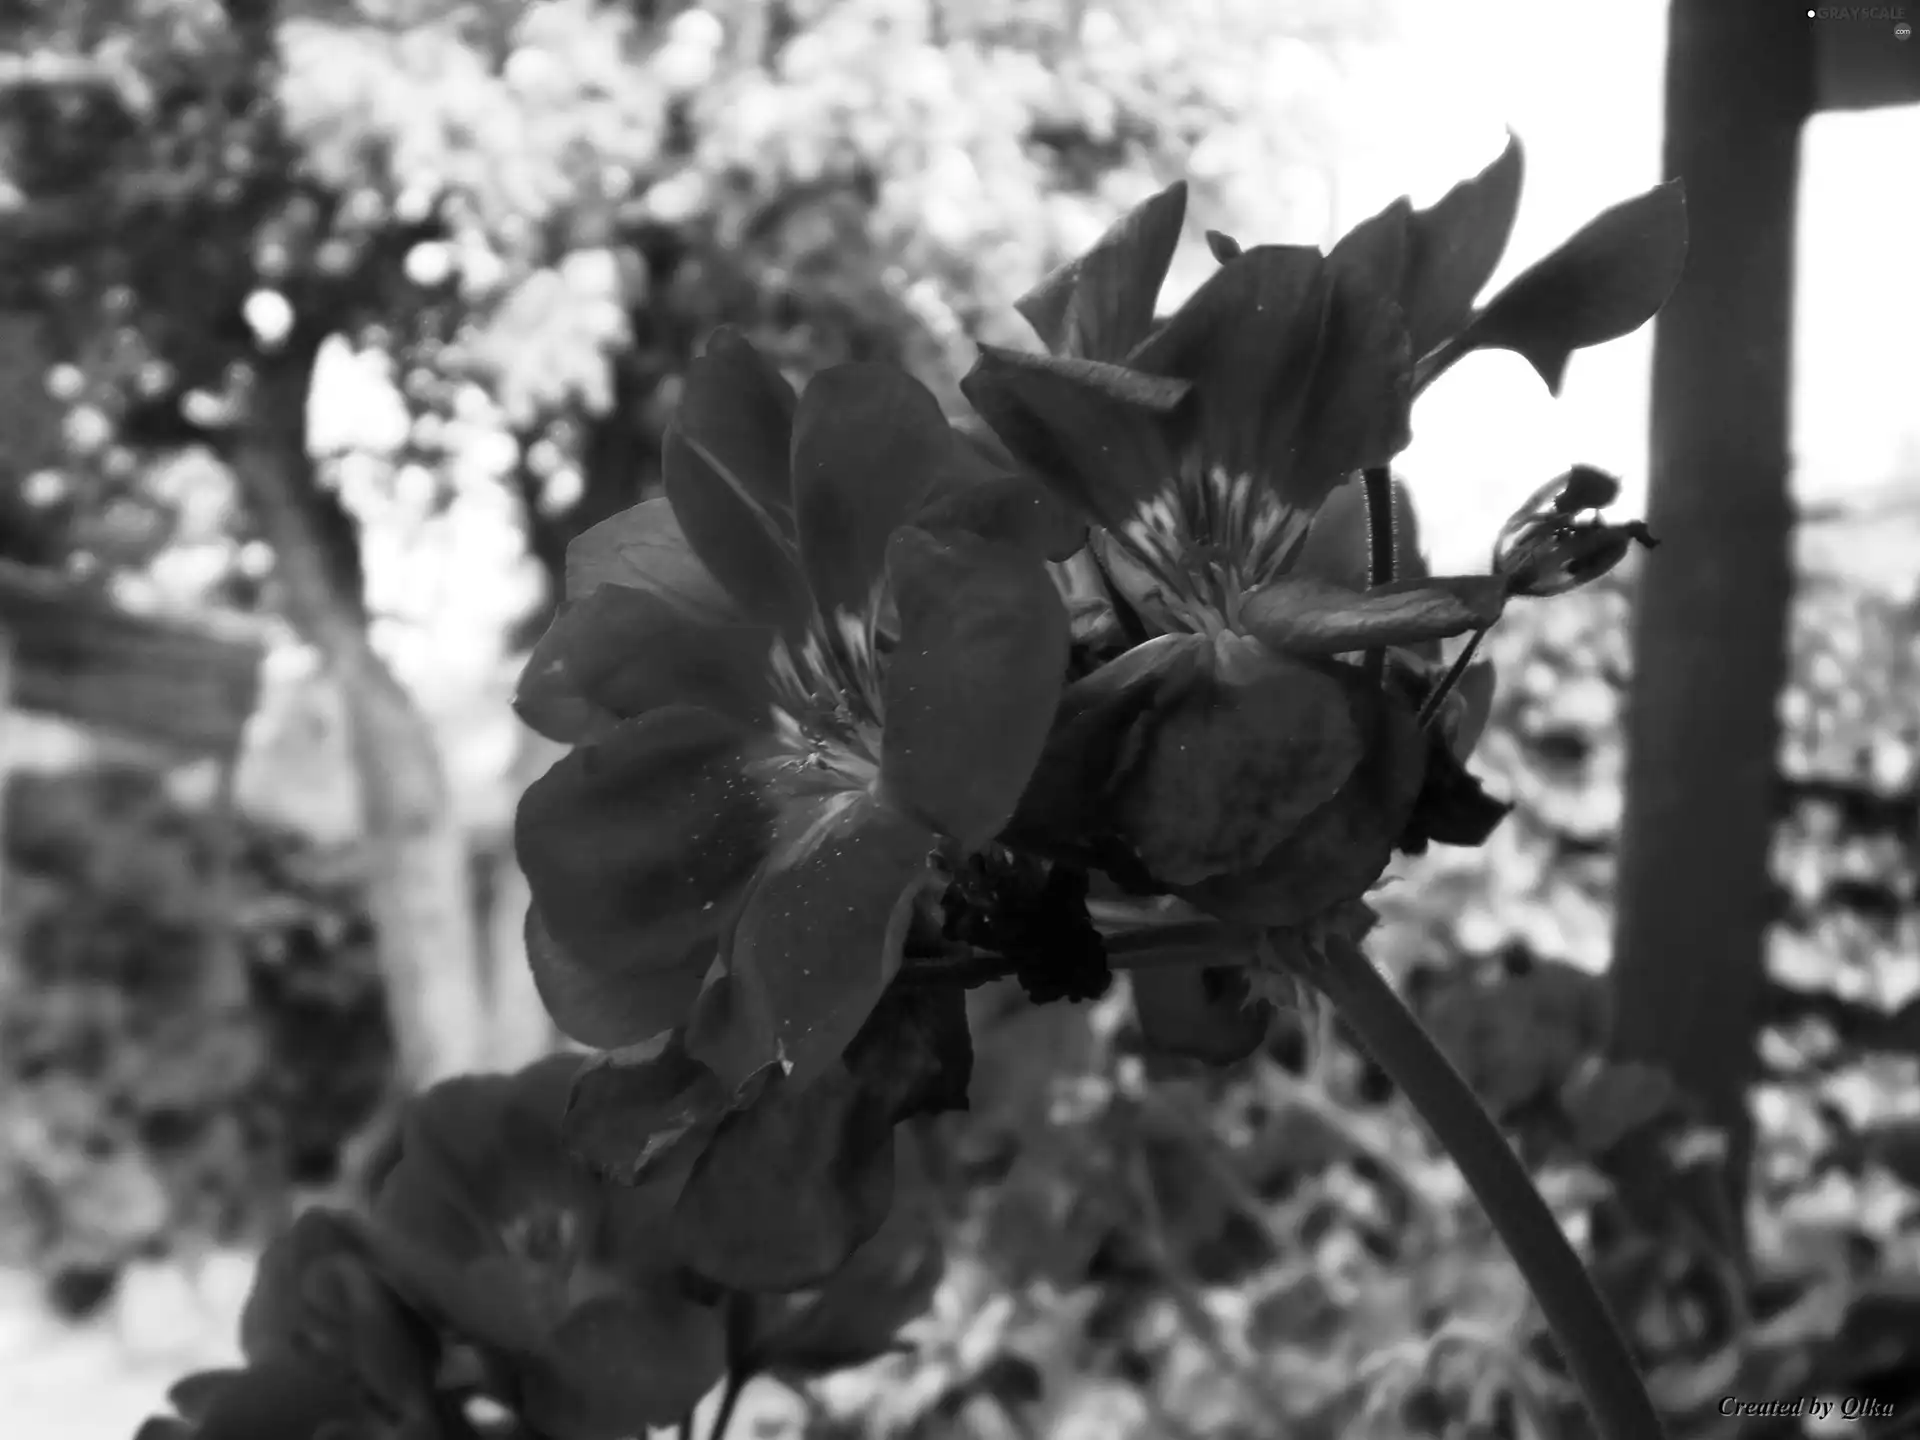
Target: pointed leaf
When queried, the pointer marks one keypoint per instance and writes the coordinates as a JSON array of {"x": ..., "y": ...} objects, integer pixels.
[
  {"x": 788, "y": 1187},
  {"x": 1096, "y": 432},
  {"x": 621, "y": 652},
  {"x": 973, "y": 684},
  {"x": 620, "y": 1364},
  {"x": 869, "y": 444},
  {"x": 644, "y": 548},
  {"x": 610, "y": 1006},
  {"x": 636, "y": 846},
  {"x": 630, "y": 1109},
  {"x": 1101, "y": 305},
  {"x": 821, "y": 933},
  {"x": 1453, "y": 807},
  {"x": 733, "y": 535},
  {"x": 1457, "y": 245},
  {"x": 1299, "y": 615},
  {"x": 736, "y": 409},
  {"x": 1607, "y": 281}
]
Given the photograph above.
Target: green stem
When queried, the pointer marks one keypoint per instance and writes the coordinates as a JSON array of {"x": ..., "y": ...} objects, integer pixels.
[
  {"x": 1575, "y": 1313},
  {"x": 737, "y": 1379},
  {"x": 1378, "y": 480}
]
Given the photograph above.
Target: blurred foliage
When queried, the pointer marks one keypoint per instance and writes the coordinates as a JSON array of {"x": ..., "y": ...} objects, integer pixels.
[
  {"x": 530, "y": 213},
  {"x": 190, "y": 1025}
]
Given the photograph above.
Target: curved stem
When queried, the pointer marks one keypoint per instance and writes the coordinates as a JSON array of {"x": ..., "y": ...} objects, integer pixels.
[
  {"x": 737, "y": 1379},
  {"x": 1581, "y": 1324},
  {"x": 1378, "y": 483}
]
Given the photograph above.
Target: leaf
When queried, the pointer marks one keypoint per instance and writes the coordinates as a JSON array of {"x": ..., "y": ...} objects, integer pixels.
[
  {"x": 1610, "y": 1100},
  {"x": 622, "y": 652},
  {"x": 788, "y": 1187},
  {"x": 1453, "y": 808},
  {"x": 632, "y": 1108},
  {"x": 1101, "y": 305},
  {"x": 1456, "y": 246},
  {"x": 820, "y": 935},
  {"x": 1607, "y": 281},
  {"x": 637, "y": 846},
  {"x": 914, "y": 1055},
  {"x": 1894, "y": 1144},
  {"x": 644, "y": 548},
  {"x": 620, "y": 1364},
  {"x": 972, "y": 685},
  {"x": 1311, "y": 618},
  {"x": 1205, "y": 1013}
]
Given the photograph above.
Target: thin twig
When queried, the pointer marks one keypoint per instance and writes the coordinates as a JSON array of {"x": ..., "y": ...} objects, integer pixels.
[{"x": 1381, "y": 547}]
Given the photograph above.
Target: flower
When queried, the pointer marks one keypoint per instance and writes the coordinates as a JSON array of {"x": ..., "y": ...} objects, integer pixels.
[
  {"x": 1232, "y": 757},
  {"x": 329, "y": 1349},
  {"x": 1557, "y": 542},
  {"x": 832, "y": 647},
  {"x": 566, "y": 1284}
]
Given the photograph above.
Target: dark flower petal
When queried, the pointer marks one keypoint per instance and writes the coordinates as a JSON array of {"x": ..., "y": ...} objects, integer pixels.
[
  {"x": 973, "y": 684},
  {"x": 635, "y": 847},
  {"x": 736, "y": 410},
  {"x": 1338, "y": 548},
  {"x": 631, "y": 1109},
  {"x": 644, "y": 548},
  {"x": 620, "y": 653},
  {"x": 1607, "y": 281},
  {"x": 1097, "y": 432},
  {"x": 1303, "y": 616},
  {"x": 1205, "y": 1013},
  {"x": 1101, "y": 305},
  {"x": 1457, "y": 244},
  {"x": 734, "y": 536},
  {"x": 618, "y": 1365},
  {"x": 855, "y": 1317},
  {"x": 1339, "y": 851},
  {"x": 869, "y": 444},
  {"x": 989, "y": 493},
  {"x": 610, "y": 1006},
  {"x": 286, "y": 1396},
  {"x": 914, "y": 1055},
  {"x": 1099, "y": 736},
  {"x": 1249, "y": 339},
  {"x": 789, "y": 1187},
  {"x": 1358, "y": 410},
  {"x": 821, "y": 933},
  {"x": 1239, "y": 763}
]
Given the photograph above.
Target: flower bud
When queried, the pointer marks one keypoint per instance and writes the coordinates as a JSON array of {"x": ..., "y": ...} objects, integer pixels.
[{"x": 1557, "y": 542}]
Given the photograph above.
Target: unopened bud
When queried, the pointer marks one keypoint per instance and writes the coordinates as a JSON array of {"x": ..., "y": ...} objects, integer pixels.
[{"x": 1557, "y": 541}]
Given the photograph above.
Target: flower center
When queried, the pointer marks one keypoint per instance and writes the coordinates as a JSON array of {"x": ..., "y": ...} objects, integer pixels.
[
  {"x": 1204, "y": 542},
  {"x": 827, "y": 701}
]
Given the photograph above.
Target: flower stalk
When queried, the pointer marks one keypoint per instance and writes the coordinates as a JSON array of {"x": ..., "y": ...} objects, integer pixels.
[{"x": 1581, "y": 1324}]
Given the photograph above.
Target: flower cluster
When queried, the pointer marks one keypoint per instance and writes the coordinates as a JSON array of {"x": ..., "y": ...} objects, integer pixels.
[{"x": 1143, "y": 658}]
